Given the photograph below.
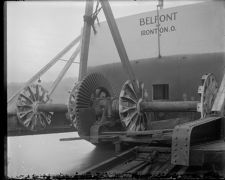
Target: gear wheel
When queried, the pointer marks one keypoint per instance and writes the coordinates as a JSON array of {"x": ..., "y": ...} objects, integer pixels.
[
  {"x": 92, "y": 86},
  {"x": 129, "y": 103},
  {"x": 207, "y": 91},
  {"x": 71, "y": 105},
  {"x": 27, "y": 103}
]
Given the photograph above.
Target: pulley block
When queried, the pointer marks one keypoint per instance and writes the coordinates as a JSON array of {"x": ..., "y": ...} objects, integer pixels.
[
  {"x": 93, "y": 86},
  {"x": 129, "y": 106},
  {"x": 27, "y": 111},
  {"x": 207, "y": 91}
]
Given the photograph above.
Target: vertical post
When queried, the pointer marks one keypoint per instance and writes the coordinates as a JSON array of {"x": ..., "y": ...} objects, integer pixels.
[
  {"x": 158, "y": 25},
  {"x": 118, "y": 42},
  {"x": 85, "y": 41}
]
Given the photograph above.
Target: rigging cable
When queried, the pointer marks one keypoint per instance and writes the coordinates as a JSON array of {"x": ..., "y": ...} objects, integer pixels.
[{"x": 94, "y": 16}]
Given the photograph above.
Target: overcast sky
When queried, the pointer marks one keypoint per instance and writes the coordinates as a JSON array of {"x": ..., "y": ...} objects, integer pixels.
[{"x": 37, "y": 31}]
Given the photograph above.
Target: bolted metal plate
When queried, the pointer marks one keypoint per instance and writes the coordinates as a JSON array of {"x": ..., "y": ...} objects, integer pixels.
[
  {"x": 183, "y": 135},
  {"x": 180, "y": 145}
]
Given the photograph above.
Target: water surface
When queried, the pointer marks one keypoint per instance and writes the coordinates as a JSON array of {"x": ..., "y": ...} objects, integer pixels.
[{"x": 45, "y": 154}]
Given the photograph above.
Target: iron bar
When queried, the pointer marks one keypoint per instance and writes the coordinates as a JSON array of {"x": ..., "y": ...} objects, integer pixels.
[
  {"x": 85, "y": 41},
  {"x": 71, "y": 139},
  {"x": 137, "y": 133},
  {"x": 170, "y": 106},
  {"x": 45, "y": 68},
  {"x": 52, "y": 108},
  {"x": 158, "y": 34},
  {"x": 68, "y": 60}
]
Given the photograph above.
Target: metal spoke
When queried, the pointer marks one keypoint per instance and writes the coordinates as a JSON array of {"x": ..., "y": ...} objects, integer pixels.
[
  {"x": 41, "y": 121},
  {"x": 31, "y": 93},
  {"x": 28, "y": 120},
  {"x": 125, "y": 109},
  {"x": 128, "y": 106},
  {"x": 73, "y": 96},
  {"x": 41, "y": 98},
  {"x": 45, "y": 117},
  {"x": 24, "y": 113},
  {"x": 131, "y": 90},
  {"x": 137, "y": 125},
  {"x": 25, "y": 97},
  {"x": 127, "y": 98},
  {"x": 23, "y": 105},
  {"x": 132, "y": 125},
  {"x": 48, "y": 120},
  {"x": 37, "y": 93},
  {"x": 128, "y": 119},
  {"x": 32, "y": 125},
  {"x": 132, "y": 117}
]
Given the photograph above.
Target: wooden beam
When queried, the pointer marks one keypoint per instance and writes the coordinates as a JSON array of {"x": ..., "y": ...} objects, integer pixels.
[
  {"x": 45, "y": 68},
  {"x": 118, "y": 42},
  {"x": 85, "y": 41}
]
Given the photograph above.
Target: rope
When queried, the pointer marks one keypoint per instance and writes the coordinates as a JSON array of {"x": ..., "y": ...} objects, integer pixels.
[{"x": 94, "y": 16}]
